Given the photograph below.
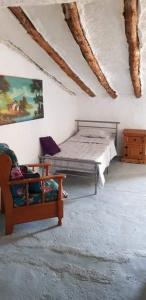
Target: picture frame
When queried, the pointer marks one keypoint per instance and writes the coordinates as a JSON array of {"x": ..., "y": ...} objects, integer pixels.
[{"x": 21, "y": 99}]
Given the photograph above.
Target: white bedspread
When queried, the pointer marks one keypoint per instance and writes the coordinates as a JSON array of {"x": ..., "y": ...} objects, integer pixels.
[{"x": 97, "y": 150}]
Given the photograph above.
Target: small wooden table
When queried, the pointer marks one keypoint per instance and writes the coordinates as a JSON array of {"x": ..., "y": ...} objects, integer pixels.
[{"x": 134, "y": 146}]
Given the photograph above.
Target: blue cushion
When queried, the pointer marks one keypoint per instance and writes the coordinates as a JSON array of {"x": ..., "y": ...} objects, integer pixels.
[
  {"x": 18, "y": 190},
  {"x": 19, "y": 193},
  {"x": 21, "y": 201},
  {"x": 3, "y": 145},
  {"x": 34, "y": 187},
  {"x": 4, "y": 148}
]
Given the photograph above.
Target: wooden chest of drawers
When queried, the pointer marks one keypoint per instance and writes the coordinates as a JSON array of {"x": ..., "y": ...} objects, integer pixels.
[{"x": 134, "y": 146}]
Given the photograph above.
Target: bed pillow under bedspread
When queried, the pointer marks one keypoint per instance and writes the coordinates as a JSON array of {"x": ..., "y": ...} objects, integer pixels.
[
  {"x": 95, "y": 132},
  {"x": 93, "y": 140}
]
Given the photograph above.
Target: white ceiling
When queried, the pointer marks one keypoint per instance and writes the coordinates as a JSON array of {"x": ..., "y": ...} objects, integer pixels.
[
  {"x": 36, "y": 2},
  {"x": 103, "y": 24}
]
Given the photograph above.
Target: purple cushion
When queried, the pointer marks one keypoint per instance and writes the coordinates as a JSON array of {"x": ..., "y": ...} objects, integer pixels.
[{"x": 49, "y": 146}]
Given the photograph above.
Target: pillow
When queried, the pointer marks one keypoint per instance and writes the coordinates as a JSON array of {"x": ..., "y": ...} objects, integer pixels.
[
  {"x": 89, "y": 140},
  {"x": 34, "y": 187},
  {"x": 4, "y": 148},
  {"x": 16, "y": 173},
  {"x": 50, "y": 185},
  {"x": 95, "y": 133},
  {"x": 2, "y": 145},
  {"x": 18, "y": 190},
  {"x": 24, "y": 170},
  {"x": 49, "y": 146}
]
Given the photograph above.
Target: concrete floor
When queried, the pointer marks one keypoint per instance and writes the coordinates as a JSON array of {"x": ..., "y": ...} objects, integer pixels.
[{"x": 98, "y": 254}]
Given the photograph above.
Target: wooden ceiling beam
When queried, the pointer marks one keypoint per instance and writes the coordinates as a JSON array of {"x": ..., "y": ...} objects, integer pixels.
[
  {"x": 73, "y": 20},
  {"x": 39, "y": 39},
  {"x": 131, "y": 30}
]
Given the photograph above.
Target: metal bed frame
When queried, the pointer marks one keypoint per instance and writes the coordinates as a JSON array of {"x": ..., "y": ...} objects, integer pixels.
[{"x": 80, "y": 170}]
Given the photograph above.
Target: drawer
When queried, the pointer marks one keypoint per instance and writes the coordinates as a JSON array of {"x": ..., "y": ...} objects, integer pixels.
[
  {"x": 133, "y": 151},
  {"x": 133, "y": 139}
]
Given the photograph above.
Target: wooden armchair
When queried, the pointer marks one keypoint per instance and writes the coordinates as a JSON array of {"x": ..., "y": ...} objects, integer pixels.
[{"x": 29, "y": 211}]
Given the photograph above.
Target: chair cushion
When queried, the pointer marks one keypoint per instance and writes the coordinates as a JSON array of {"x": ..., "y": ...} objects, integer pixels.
[
  {"x": 34, "y": 187},
  {"x": 18, "y": 190},
  {"x": 33, "y": 199},
  {"x": 3, "y": 145},
  {"x": 19, "y": 193},
  {"x": 4, "y": 148},
  {"x": 49, "y": 146},
  {"x": 50, "y": 185},
  {"x": 16, "y": 173}
]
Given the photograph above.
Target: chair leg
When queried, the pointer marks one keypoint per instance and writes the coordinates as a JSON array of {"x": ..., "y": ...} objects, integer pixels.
[
  {"x": 2, "y": 206},
  {"x": 59, "y": 221},
  {"x": 8, "y": 227}
]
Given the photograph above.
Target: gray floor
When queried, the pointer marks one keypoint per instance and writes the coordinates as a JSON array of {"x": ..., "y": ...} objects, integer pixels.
[{"x": 98, "y": 253}]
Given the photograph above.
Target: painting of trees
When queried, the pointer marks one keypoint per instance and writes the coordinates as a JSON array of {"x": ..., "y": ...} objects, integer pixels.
[
  {"x": 36, "y": 88},
  {"x": 4, "y": 84},
  {"x": 21, "y": 99}
]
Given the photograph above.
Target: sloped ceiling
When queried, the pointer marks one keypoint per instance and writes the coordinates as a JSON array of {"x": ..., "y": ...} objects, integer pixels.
[
  {"x": 5, "y": 3},
  {"x": 104, "y": 28}
]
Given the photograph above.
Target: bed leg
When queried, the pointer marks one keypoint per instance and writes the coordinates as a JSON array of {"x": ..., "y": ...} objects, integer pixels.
[
  {"x": 96, "y": 187},
  {"x": 96, "y": 177}
]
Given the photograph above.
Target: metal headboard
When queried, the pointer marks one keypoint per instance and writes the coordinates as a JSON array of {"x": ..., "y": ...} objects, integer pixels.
[{"x": 99, "y": 124}]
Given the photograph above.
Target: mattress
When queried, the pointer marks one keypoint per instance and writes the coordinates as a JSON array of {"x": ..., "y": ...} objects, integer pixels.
[{"x": 85, "y": 154}]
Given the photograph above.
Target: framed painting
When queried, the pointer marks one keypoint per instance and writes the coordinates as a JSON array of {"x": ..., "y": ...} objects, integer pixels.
[{"x": 21, "y": 99}]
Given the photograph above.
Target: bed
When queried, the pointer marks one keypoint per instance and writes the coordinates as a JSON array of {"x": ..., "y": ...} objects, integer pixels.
[{"x": 88, "y": 151}]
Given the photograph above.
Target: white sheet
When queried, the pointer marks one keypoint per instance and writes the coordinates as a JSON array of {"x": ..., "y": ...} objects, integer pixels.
[{"x": 92, "y": 149}]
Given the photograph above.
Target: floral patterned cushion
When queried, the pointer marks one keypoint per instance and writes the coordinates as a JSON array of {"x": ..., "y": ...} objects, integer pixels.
[
  {"x": 16, "y": 173},
  {"x": 19, "y": 193},
  {"x": 4, "y": 148},
  {"x": 3, "y": 145},
  {"x": 21, "y": 200},
  {"x": 18, "y": 190}
]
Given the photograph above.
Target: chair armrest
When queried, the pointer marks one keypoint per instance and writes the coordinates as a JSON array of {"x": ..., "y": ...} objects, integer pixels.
[
  {"x": 45, "y": 166},
  {"x": 39, "y": 165},
  {"x": 37, "y": 179}
]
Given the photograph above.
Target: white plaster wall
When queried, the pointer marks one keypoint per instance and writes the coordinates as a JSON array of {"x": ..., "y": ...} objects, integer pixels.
[
  {"x": 130, "y": 112},
  {"x": 60, "y": 110}
]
